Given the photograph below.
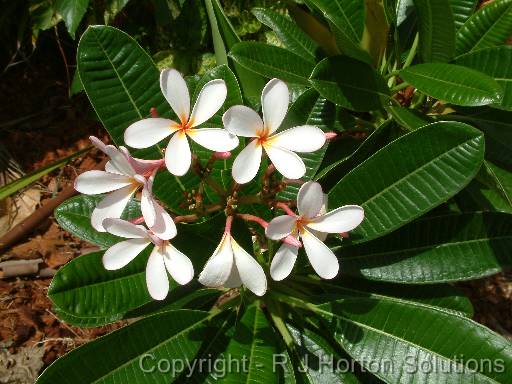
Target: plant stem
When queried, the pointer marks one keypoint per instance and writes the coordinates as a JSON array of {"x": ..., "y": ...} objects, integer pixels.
[
  {"x": 412, "y": 52},
  {"x": 195, "y": 217},
  {"x": 399, "y": 87}
]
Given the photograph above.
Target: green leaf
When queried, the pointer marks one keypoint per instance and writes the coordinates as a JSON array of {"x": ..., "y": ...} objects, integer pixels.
[
  {"x": 436, "y": 30},
  {"x": 410, "y": 119},
  {"x": 382, "y": 136},
  {"x": 347, "y": 19},
  {"x": 435, "y": 249},
  {"x": 224, "y": 37},
  {"x": 289, "y": 34},
  {"x": 72, "y": 12},
  {"x": 379, "y": 332},
  {"x": 270, "y": 61},
  {"x": 309, "y": 108},
  {"x": 126, "y": 355},
  {"x": 462, "y": 10},
  {"x": 497, "y": 63},
  {"x": 453, "y": 83},
  {"x": 443, "y": 296},
  {"x": 119, "y": 78},
  {"x": 410, "y": 176},
  {"x": 488, "y": 27},
  {"x": 349, "y": 83},
  {"x": 74, "y": 215},
  {"x": 317, "y": 359},
  {"x": 16, "y": 185}
]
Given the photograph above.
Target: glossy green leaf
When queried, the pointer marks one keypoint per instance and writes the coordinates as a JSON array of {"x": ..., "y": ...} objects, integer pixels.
[
  {"x": 347, "y": 18},
  {"x": 462, "y": 10},
  {"x": 435, "y": 162},
  {"x": 410, "y": 119},
  {"x": 382, "y": 136},
  {"x": 436, "y": 30},
  {"x": 491, "y": 190},
  {"x": 435, "y": 249},
  {"x": 318, "y": 360},
  {"x": 309, "y": 108},
  {"x": 417, "y": 343},
  {"x": 74, "y": 215},
  {"x": 349, "y": 83},
  {"x": 497, "y": 63},
  {"x": 292, "y": 37},
  {"x": 453, "y": 83},
  {"x": 131, "y": 354},
  {"x": 72, "y": 12},
  {"x": 271, "y": 61},
  {"x": 488, "y": 27},
  {"x": 224, "y": 37}
]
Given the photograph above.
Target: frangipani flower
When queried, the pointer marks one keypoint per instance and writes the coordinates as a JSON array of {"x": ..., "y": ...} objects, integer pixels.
[
  {"x": 122, "y": 177},
  {"x": 163, "y": 257},
  {"x": 231, "y": 266},
  {"x": 280, "y": 148},
  {"x": 309, "y": 226},
  {"x": 178, "y": 158}
]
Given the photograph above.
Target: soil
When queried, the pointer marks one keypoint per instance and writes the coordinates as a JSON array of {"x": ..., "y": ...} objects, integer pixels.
[{"x": 40, "y": 123}]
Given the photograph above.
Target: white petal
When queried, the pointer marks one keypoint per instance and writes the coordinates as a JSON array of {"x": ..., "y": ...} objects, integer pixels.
[
  {"x": 214, "y": 139},
  {"x": 119, "y": 160},
  {"x": 305, "y": 138},
  {"x": 111, "y": 168},
  {"x": 233, "y": 280},
  {"x": 156, "y": 275},
  {"x": 342, "y": 219},
  {"x": 322, "y": 259},
  {"x": 218, "y": 267},
  {"x": 125, "y": 229},
  {"x": 250, "y": 271},
  {"x": 287, "y": 163},
  {"x": 247, "y": 163},
  {"x": 98, "y": 143},
  {"x": 178, "y": 265},
  {"x": 112, "y": 206},
  {"x": 283, "y": 261},
  {"x": 177, "y": 155},
  {"x": 175, "y": 91},
  {"x": 148, "y": 132},
  {"x": 147, "y": 207},
  {"x": 120, "y": 254},
  {"x": 164, "y": 227},
  {"x": 96, "y": 182},
  {"x": 274, "y": 103},
  {"x": 280, "y": 226},
  {"x": 310, "y": 199},
  {"x": 208, "y": 102},
  {"x": 242, "y": 121},
  {"x": 141, "y": 166}
]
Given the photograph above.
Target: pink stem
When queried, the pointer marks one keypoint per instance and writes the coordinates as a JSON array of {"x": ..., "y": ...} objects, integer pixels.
[
  {"x": 330, "y": 135},
  {"x": 138, "y": 220},
  {"x": 153, "y": 112},
  {"x": 286, "y": 208},
  {"x": 344, "y": 235},
  {"x": 229, "y": 221},
  {"x": 288, "y": 239},
  {"x": 222, "y": 155}
]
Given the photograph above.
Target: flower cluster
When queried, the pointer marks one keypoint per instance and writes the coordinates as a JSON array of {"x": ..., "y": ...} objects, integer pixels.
[{"x": 230, "y": 265}]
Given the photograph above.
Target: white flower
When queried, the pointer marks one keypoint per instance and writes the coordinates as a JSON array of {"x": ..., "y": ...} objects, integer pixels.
[
  {"x": 122, "y": 177},
  {"x": 231, "y": 266},
  {"x": 163, "y": 257},
  {"x": 148, "y": 132},
  {"x": 309, "y": 226},
  {"x": 280, "y": 148}
]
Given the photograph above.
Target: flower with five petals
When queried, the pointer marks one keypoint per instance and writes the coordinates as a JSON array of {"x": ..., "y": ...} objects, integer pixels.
[
  {"x": 281, "y": 147},
  {"x": 311, "y": 226},
  {"x": 178, "y": 158},
  {"x": 231, "y": 266},
  {"x": 163, "y": 257},
  {"x": 123, "y": 176}
]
